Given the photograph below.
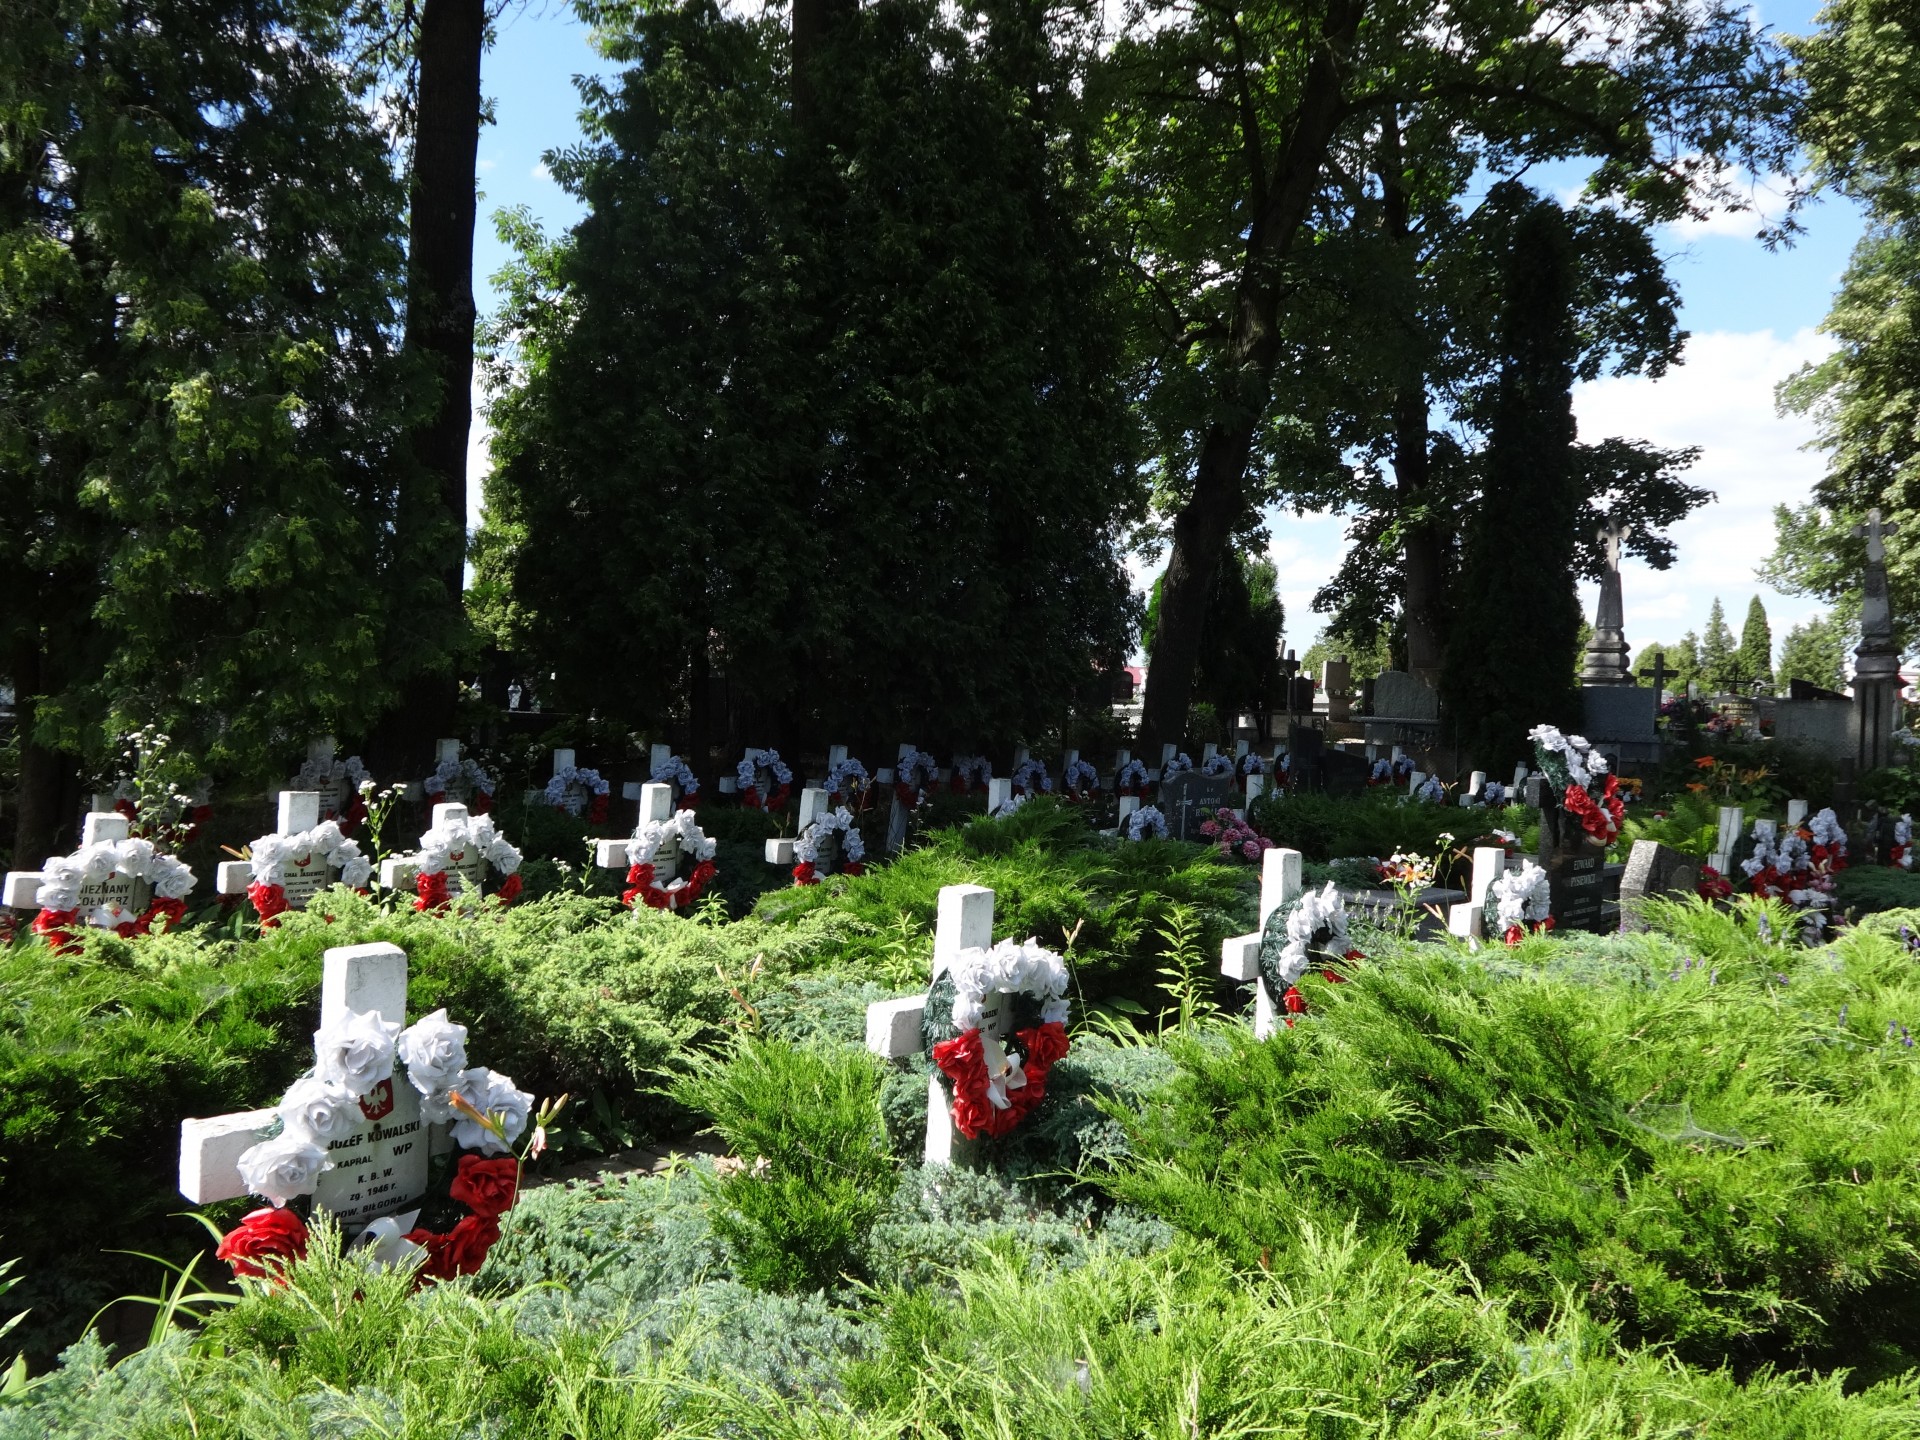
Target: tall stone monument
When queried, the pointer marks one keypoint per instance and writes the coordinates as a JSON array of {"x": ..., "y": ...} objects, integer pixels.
[
  {"x": 1606, "y": 658},
  {"x": 1876, "y": 667}
]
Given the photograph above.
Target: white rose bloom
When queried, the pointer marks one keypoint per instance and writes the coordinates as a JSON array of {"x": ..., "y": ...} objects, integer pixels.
[
  {"x": 283, "y": 1167},
  {"x": 436, "y": 1108},
  {"x": 356, "y": 1051},
  {"x": 492, "y": 1094},
  {"x": 319, "y": 1110},
  {"x": 356, "y": 870},
  {"x": 434, "y": 1050}
]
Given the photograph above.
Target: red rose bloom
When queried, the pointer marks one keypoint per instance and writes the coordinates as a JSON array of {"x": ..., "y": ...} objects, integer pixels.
[
  {"x": 468, "y": 1243},
  {"x": 266, "y": 1234},
  {"x": 487, "y": 1187},
  {"x": 269, "y": 902}
]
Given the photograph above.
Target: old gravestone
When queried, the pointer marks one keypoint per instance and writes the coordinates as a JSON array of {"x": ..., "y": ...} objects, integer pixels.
[
  {"x": 1654, "y": 869},
  {"x": 1186, "y": 798},
  {"x": 1575, "y": 862},
  {"x": 1620, "y": 720}
]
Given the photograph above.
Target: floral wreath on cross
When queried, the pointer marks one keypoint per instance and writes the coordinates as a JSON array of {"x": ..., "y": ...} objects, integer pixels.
[
  {"x": 997, "y": 1083},
  {"x": 1310, "y": 927},
  {"x": 806, "y": 850},
  {"x": 352, "y": 772},
  {"x": 1079, "y": 780},
  {"x": 1252, "y": 764},
  {"x": 1131, "y": 779},
  {"x": 446, "y": 844},
  {"x": 1180, "y": 764},
  {"x": 352, "y": 1081},
  {"x": 1030, "y": 778},
  {"x": 968, "y": 771},
  {"x": 746, "y": 780},
  {"x": 1798, "y": 866},
  {"x": 593, "y": 791},
  {"x": 479, "y": 783},
  {"x": 1147, "y": 819},
  {"x": 676, "y": 772},
  {"x": 271, "y": 854},
  {"x": 1217, "y": 764},
  {"x": 1588, "y": 789},
  {"x": 847, "y": 780},
  {"x": 63, "y": 876},
  {"x": 1519, "y": 902},
  {"x": 913, "y": 775},
  {"x": 1902, "y": 852},
  {"x": 643, "y": 849}
]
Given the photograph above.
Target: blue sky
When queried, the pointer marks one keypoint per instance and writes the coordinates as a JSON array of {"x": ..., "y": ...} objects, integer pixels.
[{"x": 1753, "y": 316}]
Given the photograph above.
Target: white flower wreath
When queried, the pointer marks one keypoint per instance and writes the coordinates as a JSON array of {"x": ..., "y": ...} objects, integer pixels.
[
  {"x": 1520, "y": 897},
  {"x": 1027, "y": 968},
  {"x": 1217, "y": 765},
  {"x": 569, "y": 777},
  {"x": 1312, "y": 912},
  {"x": 972, "y": 769},
  {"x": 675, "y": 771},
  {"x": 1031, "y": 775},
  {"x": 746, "y": 775},
  {"x": 832, "y": 822},
  {"x": 1584, "y": 763},
  {"x": 915, "y": 768},
  {"x": 1252, "y": 764},
  {"x": 314, "y": 775},
  {"x": 448, "y": 771},
  {"x": 1146, "y": 818},
  {"x": 847, "y": 777},
  {"x": 352, "y": 1058},
  {"x": 478, "y": 832},
  {"x": 1178, "y": 765},
  {"x": 1080, "y": 775},
  {"x": 270, "y": 854},
  {"x": 63, "y": 875},
  {"x": 679, "y": 827}
]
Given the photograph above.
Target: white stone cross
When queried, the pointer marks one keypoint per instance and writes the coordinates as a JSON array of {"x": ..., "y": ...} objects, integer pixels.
[
  {"x": 117, "y": 891},
  {"x": 466, "y": 868},
  {"x": 656, "y": 803},
  {"x": 1240, "y": 955},
  {"x": 317, "y": 775},
  {"x": 813, "y": 804},
  {"x": 894, "y": 1027},
  {"x": 657, "y": 756},
  {"x": 381, "y": 1168},
  {"x": 1467, "y": 919},
  {"x": 302, "y": 876},
  {"x": 1732, "y": 824}
]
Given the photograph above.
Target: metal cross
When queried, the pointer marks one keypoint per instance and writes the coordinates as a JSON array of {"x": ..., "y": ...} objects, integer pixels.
[
  {"x": 1659, "y": 672},
  {"x": 1289, "y": 667},
  {"x": 1872, "y": 532}
]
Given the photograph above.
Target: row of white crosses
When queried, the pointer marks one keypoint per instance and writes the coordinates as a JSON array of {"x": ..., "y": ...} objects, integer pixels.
[
  {"x": 380, "y": 1168},
  {"x": 1732, "y": 830},
  {"x": 299, "y": 855},
  {"x": 104, "y": 897}
]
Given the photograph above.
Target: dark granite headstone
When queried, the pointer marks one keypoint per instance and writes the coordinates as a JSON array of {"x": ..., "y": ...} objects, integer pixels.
[
  {"x": 1184, "y": 798},
  {"x": 1575, "y": 864},
  {"x": 1305, "y": 745},
  {"x": 1654, "y": 869},
  {"x": 1344, "y": 773}
]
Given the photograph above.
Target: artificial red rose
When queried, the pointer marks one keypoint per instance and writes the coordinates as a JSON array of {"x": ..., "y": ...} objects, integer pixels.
[
  {"x": 597, "y": 808},
  {"x": 58, "y": 927},
  {"x": 269, "y": 901},
  {"x": 265, "y": 1235},
  {"x": 640, "y": 886},
  {"x": 480, "y": 804},
  {"x": 805, "y": 874},
  {"x": 1294, "y": 1001},
  {"x": 1514, "y": 935},
  {"x": 468, "y": 1243},
  {"x": 853, "y": 867},
  {"x": 963, "y": 1061},
  {"x": 159, "y": 908},
  {"x": 486, "y": 1186},
  {"x": 432, "y": 890},
  {"x": 509, "y": 890}
]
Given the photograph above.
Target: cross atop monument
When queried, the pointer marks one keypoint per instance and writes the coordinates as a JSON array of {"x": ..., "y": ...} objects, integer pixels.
[
  {"x": 1610, "y": 536},
  {"x": 1874, "y": 533}
]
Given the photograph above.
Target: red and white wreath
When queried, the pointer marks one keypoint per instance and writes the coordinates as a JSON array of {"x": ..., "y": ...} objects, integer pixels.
[
  {"x": 999, "y": 1079},
  {"x": 324, "y": 845},
  {"x": 1519, "y": 902},
  {"x": 1589, "y": 791},
  {"x": 478, "y": 782},
  {"x": 448, "y": 845},
  {"x": 913, "y": 775},
  {"x": 1079, "y": 779},
  {"x": 847, "y": 780},
  {"x": 969, "y": 771},
  {"x": 578, "y": 790},
  {"x": 806, "y": 850},
  {"x": 681, "y": 831},
  {"x": 769, "y": 794},
  {"x": 676, "y": 772},
  {"x": 63, "y": 877}
]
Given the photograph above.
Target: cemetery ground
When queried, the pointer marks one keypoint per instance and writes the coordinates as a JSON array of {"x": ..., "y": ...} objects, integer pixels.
[{"x": 1662, "y": 1183}]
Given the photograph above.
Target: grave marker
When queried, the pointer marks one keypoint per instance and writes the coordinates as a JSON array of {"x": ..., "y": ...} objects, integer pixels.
[
  {"x": 1654, "y": 869},
  {"x": 1240, "y": 956},
  {"x": 1466, "y": 920},
  {"x": 1185, "y": 795},
  {"x": 299, "y": 859}
]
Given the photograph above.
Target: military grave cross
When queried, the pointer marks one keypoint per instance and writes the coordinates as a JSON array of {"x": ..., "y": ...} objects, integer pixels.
[
  {"x": 299, "y": 858},
  {"x": 1240, "y": 956}
]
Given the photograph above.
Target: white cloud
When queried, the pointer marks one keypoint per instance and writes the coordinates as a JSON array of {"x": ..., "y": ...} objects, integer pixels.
[
  {"x": 483, "y": 166},
  {"x": 541, "y": 172}
]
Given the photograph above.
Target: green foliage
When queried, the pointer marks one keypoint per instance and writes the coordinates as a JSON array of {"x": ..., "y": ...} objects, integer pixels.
[
  {"x": 1718, "y": 1162},
  {"x": 773, "y": 309},
  {"x": 1815, "y": 652},
  {"x": 1870, "y": 889},
  {"x": 1717, "y": 652},
  {"x": 1682, "y": 661},
  {"x": 812, "y": 1165},
  {"x": 1376, "y": 823},
  {"x": 1238, "y": 672},
  {"x": 199, "y": 273},
  {"x": 1518, "y": 614},
  {"x": 1755, "y": 655}
]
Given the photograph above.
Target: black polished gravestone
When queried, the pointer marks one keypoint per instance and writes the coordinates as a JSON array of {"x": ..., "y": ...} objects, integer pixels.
[
  {"x": 1574, "y": 861},
  {"x": 1185, "y": 797},
  {"x": 1654, "y": 869},
  {"x": 1306, "y": 745}
]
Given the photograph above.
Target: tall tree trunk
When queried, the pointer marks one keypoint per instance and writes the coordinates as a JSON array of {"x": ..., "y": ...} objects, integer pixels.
[
  {"x": 1206, "y": 522},
  {"x": 49, "y": 778},
  {"x": 1423, "y": 578},
  {"x": 440, "y": 321}
]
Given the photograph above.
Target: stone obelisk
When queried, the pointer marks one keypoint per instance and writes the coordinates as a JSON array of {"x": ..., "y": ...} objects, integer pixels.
[
  {"x": 1876, "y": 664},
  {"x": 1606, "y": 658}
]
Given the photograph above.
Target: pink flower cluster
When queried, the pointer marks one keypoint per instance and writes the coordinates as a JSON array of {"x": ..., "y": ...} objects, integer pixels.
[{"x": 1229, "y": 830}]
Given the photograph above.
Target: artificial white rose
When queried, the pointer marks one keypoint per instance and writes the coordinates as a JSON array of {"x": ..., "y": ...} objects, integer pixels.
[
  {"x": 434, "y": 1050},
  {"x": 320, "y": 1110},
  {"x": 283, "y": 1167},
  {"x": 356, "y": 1051},
  {"x": 491, "y": 1094},
  {"x": 436, "y": 1108},
  {"x": 355, "y": 870}
]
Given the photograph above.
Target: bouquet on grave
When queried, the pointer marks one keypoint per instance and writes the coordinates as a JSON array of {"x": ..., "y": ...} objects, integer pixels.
[
  {"x": 997, "y": 1073},
  {"x": 1517, "y": 903},
  {"x": 1588, "y": 789},
  {"x": 1798, "y": 866},
  {"x": 1235, "y": 837},
  {"x": 1306, "y": 933},
  {"x": 357, "y": 1063}
]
